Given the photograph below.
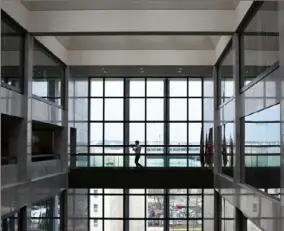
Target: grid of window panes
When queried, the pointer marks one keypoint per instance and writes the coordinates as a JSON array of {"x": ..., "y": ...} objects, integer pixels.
[
  {"x": 45, "y": 215},
  {"x": 78, "y": 116},
  {"x": 164, "y": 114},
  {"x": 141, "y": 209}
]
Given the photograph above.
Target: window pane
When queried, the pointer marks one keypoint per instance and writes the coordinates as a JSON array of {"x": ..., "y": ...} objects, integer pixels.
[
  {"x": 136, "y": 132},
  {"x": 178, "y": 109},
  {"x": 155, "y": 162},
  {"x": 195, "y": 109},
  {"x": 194, "y": 130},
  {"x": 113, "y": 132},
  {"x": 155, "y": 133},
  {"x": 79, "y": 88},
  {"x": 113, "y": 206},
  {"x": 194, "y": 88},
  {"x": 178, "y": 191},
  {"x": 155, "y": 87},
  {"x": 80, "y": 109},
  {"x": 178, "y": 87},
  {"x": 194, "y": 206},
  {"x": 155, "y": 206},
  {"x": 157, "y": 225},
  {"x": 40, "y": 88},
  {"x": 256, "y": 38},
  {"x": 178, "y": 134},
  {"x": 82, "y": 133},
  {"x": 47, "y": 69},
  {"x": 12, "y": 43},
  {"x": 208, "y": 111},
  {"x": 96, "y": 134},
  {"x": 113, "y": 88},
  {"x": 137, "y": 207},
  {"x": 96, "y": 206},
  {"x": 96, "y": 109},
  {"x": 116, "y": 225},
  {"x": 132, "y": 159},
  {"x": 137, "y": 109},
  {"x": 97, "y": 87},
  {"x": 113, "y": 161},
  {"x": 136, "y": 225},
  {"x": 95, "y": 225},
  {"x": 113, "y": 109},
  {"x": 177, "y": 206},
  {"x": 155, "y": 109},
  {"x": 137, "y": 88},
  {"x": 96, "y": 161},
  {"x": 178, "y": 161},
  {"x": 208, "y": 88},
  {"x": 155, "y": 150}
]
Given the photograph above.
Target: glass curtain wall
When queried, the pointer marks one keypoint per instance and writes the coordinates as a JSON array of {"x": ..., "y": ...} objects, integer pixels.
[
  {"x": 48, "y": 75},
  {"x": 260, "y": 77},
  {"x": 78, "y": 116},
  {"x": 226, "y": 102},
  {"x": 45, "y": 215},
  {"x": 141, "y": 209},
  {"x": 164, "y": 114}
]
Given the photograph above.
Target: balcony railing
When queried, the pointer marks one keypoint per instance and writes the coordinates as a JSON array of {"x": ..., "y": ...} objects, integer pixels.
[
  {"x": 45, "y": 157},
  {"x": 164, "y": 160}
]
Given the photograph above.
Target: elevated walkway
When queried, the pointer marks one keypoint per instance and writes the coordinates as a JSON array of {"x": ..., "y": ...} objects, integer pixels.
[{"x": 166, "y": 177}]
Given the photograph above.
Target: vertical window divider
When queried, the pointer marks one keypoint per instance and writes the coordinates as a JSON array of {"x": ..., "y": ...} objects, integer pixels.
[
  {"x": 187, "y": 121},
  {"x": 89, "y": 119},
  {"x": 126, "y": 123},
  {"x": 103, "y": 125},
  {"x": 166, "y": 123},
  {"x": 145, "y": 122},
  {"x": 145, "y": 208}
]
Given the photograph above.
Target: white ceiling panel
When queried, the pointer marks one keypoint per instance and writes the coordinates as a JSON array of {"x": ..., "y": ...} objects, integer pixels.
[
  {"x": 51, "y": 5},
  {"x": 139, "y": 42}
]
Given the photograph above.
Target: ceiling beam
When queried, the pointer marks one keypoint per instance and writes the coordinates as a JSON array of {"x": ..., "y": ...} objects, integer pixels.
[
  {"x": 132, "y": 21},
  {"x": 141, "y": 57}
]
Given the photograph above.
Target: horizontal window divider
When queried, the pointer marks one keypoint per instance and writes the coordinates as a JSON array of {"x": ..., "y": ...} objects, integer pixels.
[
  {"x": 261, "y": 122},
  {"x": 145, "y": 121},
  {"x": 140, "y": 194},
  {"x": 133, "y": 154},
  {"x": 143, "y": 145},
  {"x": 141, "y": 218}
]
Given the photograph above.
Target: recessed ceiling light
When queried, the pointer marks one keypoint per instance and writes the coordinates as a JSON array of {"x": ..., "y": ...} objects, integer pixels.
[
  {"x": 179, "y": 71},
  {"x": 141, "y": 71},
  {"x": 180, "y": 68},
  {"x": 105, "y": 72}
]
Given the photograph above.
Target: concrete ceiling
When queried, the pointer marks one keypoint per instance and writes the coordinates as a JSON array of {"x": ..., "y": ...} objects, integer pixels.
[
  {"x": 48, "y": 5},
  {"x": 139, "y": 42}
]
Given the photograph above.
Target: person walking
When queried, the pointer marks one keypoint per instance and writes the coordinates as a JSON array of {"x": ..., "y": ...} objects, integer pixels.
[{"x": 137, "y": 150}]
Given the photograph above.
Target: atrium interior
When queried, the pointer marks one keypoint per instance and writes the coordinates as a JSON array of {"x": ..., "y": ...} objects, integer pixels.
[{"x": 196, "y": 82}]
